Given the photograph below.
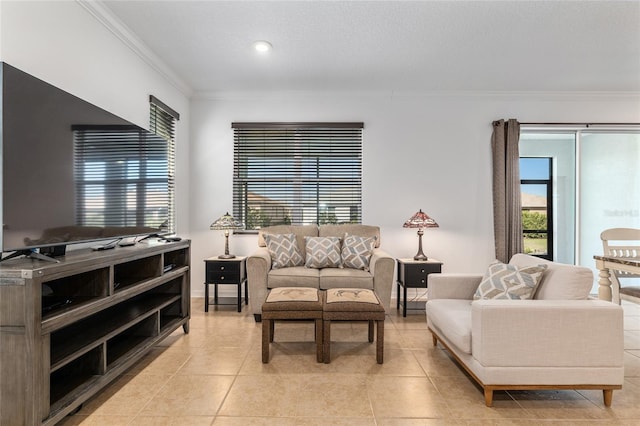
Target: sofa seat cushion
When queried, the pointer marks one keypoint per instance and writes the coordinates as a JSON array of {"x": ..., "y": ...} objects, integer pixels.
[
  {"x": 345, "y": 277},
  {"x": 452, "y": 317},
  {"x": 295, "y": 276},
  {"x": 559, "y": 281}
]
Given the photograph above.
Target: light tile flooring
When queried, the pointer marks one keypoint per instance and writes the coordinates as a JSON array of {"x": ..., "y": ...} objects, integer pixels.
[{"x": 214, "y": 376}]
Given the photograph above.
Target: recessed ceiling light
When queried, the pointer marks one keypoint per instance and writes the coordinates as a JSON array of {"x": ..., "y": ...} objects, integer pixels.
[{"x": 262, "y": 46}]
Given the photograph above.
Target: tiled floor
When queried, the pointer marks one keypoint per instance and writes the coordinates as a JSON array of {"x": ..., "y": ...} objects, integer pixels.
[{"x": 214, "y": 376}]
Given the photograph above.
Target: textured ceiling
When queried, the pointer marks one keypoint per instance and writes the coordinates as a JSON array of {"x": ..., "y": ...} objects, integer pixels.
[{"x": 393, "y": 45}]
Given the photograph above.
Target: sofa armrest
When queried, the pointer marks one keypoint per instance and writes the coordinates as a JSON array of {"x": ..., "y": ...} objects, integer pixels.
[
  {"x": 382, "y": 267},
  {"x": 547, "y": 333},
  {"x": 452, "y": 286},
  {"x": 258, "y": 267}
]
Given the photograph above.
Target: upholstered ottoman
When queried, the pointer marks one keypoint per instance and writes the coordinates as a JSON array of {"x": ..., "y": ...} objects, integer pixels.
[
  {"x": 353, "y": 304},
  {"x": 291, "y": 303}
]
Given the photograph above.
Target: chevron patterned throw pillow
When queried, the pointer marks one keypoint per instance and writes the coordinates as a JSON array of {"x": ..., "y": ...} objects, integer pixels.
[
  {"x": 502, "y": 281},
  {"x": 322, "y": 252},
  {"x": 284, "y": 251},
  {"x": 356, "y": 251}
]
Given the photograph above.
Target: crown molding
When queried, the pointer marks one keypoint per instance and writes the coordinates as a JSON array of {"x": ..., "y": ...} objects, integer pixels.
[
  {"x": 289, "y": 94},
  {"x": 556, "y": 96},
  {"x": 104, "y": 15}
]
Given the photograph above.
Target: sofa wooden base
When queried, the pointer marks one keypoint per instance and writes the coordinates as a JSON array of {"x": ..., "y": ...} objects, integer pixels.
[{"x": 607, "y": 390}]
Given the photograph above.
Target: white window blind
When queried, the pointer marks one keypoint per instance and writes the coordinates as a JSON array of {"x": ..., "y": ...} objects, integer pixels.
[
  {"x": 162, "y": 122},
  {"x": 124, "y": 174},
  {"x": 297, "y": 173}
]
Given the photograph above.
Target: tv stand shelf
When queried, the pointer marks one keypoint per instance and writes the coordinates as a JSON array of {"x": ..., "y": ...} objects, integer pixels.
[{"x": 68, "y": 329}]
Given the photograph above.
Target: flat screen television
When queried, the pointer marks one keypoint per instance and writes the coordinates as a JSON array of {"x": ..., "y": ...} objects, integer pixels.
[{"x": 73, "y": 172}]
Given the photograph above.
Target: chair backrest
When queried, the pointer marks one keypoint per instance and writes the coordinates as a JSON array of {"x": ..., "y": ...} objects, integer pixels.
[{"x": 622, "y": 243}]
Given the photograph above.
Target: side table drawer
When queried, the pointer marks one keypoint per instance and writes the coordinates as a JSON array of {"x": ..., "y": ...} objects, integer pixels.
[
  {"x": 416, "y": 274},
  {"x": 217, "y": 277}
]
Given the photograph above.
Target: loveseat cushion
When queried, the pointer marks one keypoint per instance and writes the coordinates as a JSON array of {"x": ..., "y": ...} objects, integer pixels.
[
  {"x": 353, "y": 229},
  {"x": 452, "y": 317},
  {"x": 559, "y": 281},
  {"x": 345, "y": 277},
  {"x": 300, "y": 231},
  {"x": 295, "y": 276}
]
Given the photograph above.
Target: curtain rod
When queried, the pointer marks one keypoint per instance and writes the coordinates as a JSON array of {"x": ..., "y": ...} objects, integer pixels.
[{"x": 580, "y": 124}]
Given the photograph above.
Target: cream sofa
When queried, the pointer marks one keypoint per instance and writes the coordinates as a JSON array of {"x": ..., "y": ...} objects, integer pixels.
[
  {"x": 261, "y": 277},
  {"x": 560, "y": 340}
]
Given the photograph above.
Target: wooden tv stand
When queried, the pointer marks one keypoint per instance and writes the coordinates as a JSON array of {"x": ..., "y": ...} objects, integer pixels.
[{"x": 68, "y": 329}]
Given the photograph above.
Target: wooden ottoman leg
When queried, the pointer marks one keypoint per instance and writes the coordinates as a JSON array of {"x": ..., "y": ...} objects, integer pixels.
[
  {"x": 272, "y": 330},
  {"x": 326, "y": 341},
  {"x": 266, "y": 338},
  {"x": 319, "y": 341},
  {"x": 380, "y": 342},
  {"x": 370, "y": 331}
]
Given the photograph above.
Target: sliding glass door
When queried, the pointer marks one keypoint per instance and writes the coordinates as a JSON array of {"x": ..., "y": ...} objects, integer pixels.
[
  {"x": 609, "y": 170},
  {"x": 595, "y": 179}
]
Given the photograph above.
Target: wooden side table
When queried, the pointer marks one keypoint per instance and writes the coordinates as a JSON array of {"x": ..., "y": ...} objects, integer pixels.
[
  {"x": 225, "y": 271},
  {"x": 413, "y": 274}
]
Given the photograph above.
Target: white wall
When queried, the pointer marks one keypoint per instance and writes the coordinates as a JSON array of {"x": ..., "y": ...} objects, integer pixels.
[
  {"x": 430, "y": 151},
  {"x": 63, "y": 44}
]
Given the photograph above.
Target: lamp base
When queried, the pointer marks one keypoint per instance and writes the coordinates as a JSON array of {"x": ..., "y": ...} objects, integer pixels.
[
  {"x": 227, "y": 256},
  {"x": 420, "y": 255}
]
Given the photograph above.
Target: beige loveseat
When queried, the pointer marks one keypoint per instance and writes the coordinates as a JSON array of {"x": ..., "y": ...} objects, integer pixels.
[
  {"x": 262, "y": 277},
  {"x": 559, "y": 340}
]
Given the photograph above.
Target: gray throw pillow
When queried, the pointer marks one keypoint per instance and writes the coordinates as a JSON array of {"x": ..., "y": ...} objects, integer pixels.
[
  {"x": 356, "y": 251},
  {"x": 284, "y": 251},
  {"x": 322, "y": 252},
  {"x": 502, "y": 281}
]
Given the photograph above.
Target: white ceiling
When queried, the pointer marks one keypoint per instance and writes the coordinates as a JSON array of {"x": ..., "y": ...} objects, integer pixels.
[{"x": 399, "y": 46}]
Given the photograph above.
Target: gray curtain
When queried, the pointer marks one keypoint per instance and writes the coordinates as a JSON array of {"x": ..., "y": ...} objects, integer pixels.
[{"x": 507, "y": 215}]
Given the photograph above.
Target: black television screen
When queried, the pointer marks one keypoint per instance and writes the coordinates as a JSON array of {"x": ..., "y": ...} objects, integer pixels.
[{"x": 73, "y": 172}]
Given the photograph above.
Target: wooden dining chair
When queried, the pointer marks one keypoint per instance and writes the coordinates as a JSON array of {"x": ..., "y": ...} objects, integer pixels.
[{"x": 623, "y": 243}]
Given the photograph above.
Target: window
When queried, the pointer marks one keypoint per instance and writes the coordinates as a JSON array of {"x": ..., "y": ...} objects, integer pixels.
[
  {"x": 297, "y": 173},
  {"x": 124, "y": 175},
  {"x": 595, "y": 183},
  {"x": 536, "y": 186},
  {"x": 162, "y": 122}
]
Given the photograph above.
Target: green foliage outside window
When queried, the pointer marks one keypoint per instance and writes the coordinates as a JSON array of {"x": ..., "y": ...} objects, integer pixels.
[
  {"x": 327, "y": 218},
  {"x": 534, "y": 242},
  {"x": 256, "y": 218},
  {"x": 534, "y": 221}
]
